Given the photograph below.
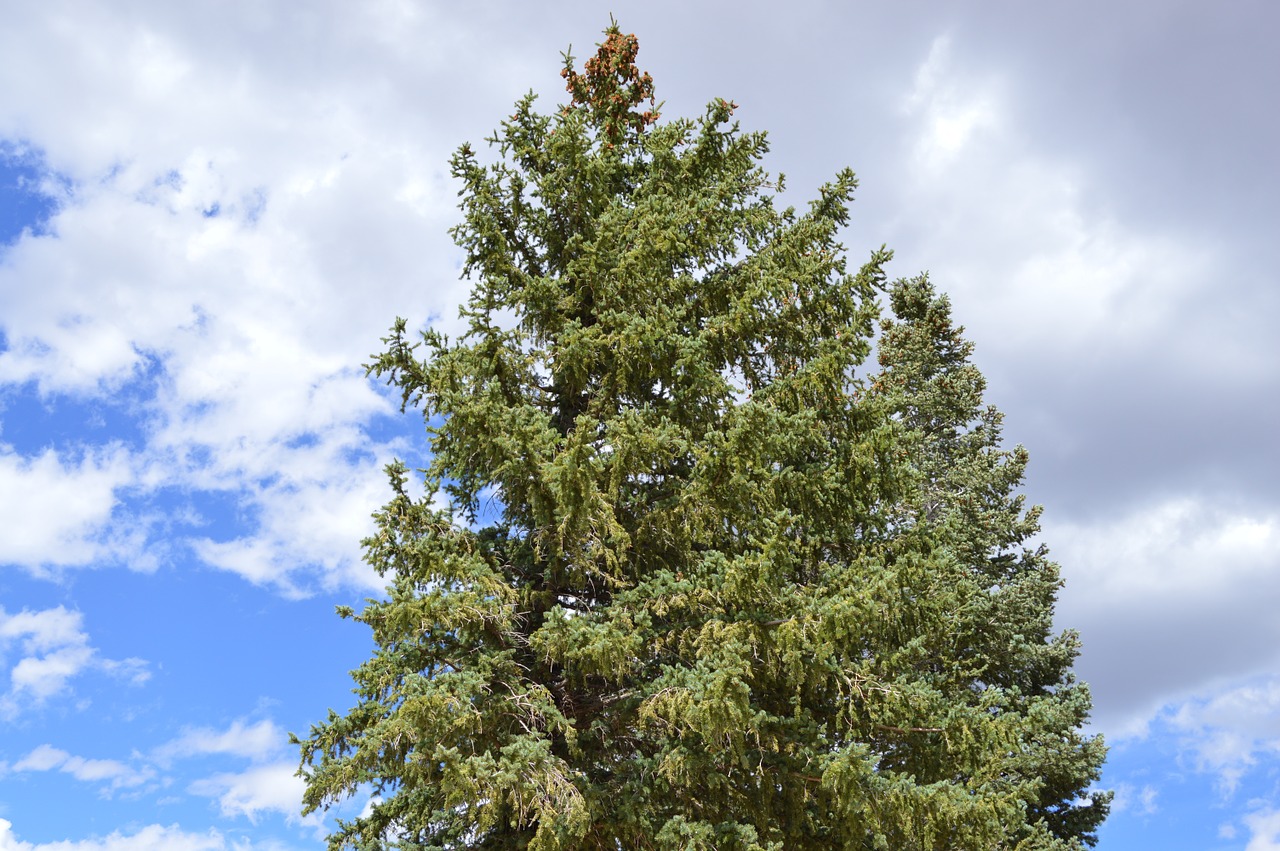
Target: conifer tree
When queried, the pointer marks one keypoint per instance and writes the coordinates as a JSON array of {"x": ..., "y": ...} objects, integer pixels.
[
  {"x": 966, "y": 502},
  {"x": 743, "y": 592}
]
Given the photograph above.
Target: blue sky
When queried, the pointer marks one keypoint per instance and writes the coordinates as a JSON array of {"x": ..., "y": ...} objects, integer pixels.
[{"x": 211, "y": 212}]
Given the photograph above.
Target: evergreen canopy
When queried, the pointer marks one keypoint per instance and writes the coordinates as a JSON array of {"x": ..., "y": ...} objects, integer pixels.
[{"x": 746, "y": 590}]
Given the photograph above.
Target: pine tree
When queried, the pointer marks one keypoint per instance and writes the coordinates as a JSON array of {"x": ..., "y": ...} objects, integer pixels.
[
  {"x": 967, "y": 502},
  {"x": 743, "y": 593}
]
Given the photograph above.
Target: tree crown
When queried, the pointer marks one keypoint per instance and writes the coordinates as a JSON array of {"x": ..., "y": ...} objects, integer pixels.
[{"x": 742, "y": 592}]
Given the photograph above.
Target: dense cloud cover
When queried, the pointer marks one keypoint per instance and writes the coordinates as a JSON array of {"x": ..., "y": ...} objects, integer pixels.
[{"x": 210, "y": 213}]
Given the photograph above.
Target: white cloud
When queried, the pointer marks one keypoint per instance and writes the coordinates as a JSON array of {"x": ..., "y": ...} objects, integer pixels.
[
  {"x": 1264, "y": 829},
  {"x": 112, "y": 773},
  {"x": 1141, "y": 802},
  {"x": 1173, "y": 600},
  {"x": 253, "y": 741},
  {"x": 151, "y": 838},
  {"x": 951, "y": 117},
  {"x": 58, "y": 510},
  {"x": 43, "y": 758},
  {"x": 53, "y": 649},
  {"x": 263, "y": 789},
  {"x": 235, "y": 264},
  {"x": 133, "y": 670},
  {"x": 43, "y": 631},
  {"x": 267, "y": 786},
  {"x": 314, "y": 514},
  {"x": 1180, "y": 548},
  {"x": 41, "y": 677},
  {"x": 1231, "y": 731}
]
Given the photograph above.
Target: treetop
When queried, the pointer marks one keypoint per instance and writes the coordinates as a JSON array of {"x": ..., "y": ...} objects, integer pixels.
[{"x": 612, "y": 86}]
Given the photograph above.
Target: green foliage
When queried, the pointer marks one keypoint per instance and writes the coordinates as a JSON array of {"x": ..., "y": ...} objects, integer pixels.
[{"x": 745, "y": 592}]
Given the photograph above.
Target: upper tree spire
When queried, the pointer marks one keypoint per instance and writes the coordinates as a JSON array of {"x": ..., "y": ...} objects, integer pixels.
[{"x": 613, "y": 87}]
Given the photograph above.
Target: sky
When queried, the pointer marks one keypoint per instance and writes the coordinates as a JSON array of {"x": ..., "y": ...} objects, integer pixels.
[{"x": 210, "y": 213}]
